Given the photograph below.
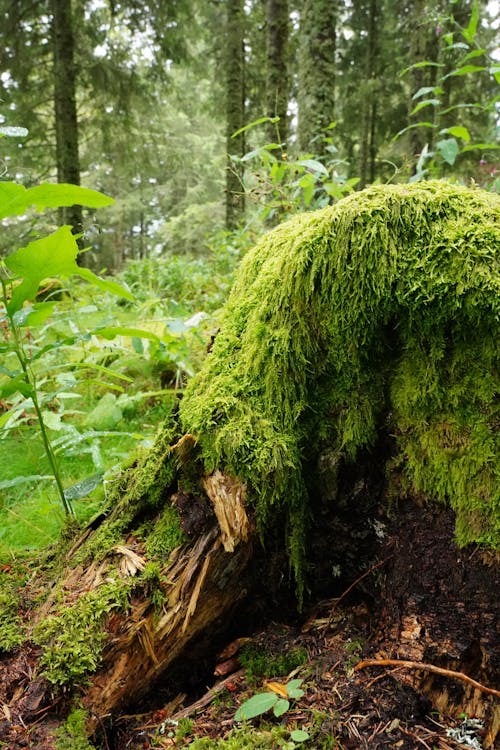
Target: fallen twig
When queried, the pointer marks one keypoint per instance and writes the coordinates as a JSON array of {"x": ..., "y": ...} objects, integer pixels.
[
  {"x": 355, "y": 583},
  {"x": 208, "y": 697},
  {"x": 427, "y": 668}
]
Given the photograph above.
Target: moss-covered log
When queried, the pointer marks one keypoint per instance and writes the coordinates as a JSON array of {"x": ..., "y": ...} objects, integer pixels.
[{"x": 379, "y": 315}]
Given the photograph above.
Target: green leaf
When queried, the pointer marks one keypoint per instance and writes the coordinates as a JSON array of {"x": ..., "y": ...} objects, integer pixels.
[
  {"x": 84, "y": 487},
  {"x": 299, "y": 735},
  {"x": 465, "y": 70},
  {"x": 313, "y": 165},
  {"x": 8, "y": 483},
  {"x": 473, "y": 54},
  {"x": 470, "y": 32},
  {"x": 281, "y": 707},
  {"x": 35, "y": 315},
  {"x": 15, "y": 385},
  {"x": 111, "y": 332},
  {"x": 449, "y": 150},
  {"x": 15, "y": 199},
  {"x": 428, "y": 90},
  {"x": 425, "y": 103},
  {"x": 253, "y": 124},
  {"x": 482, "y": 147},
  {"x": 255, "y": 706},
  {"x": 421, "y": 124},
  {"x": 422, "y": 64},
  {"x": 495, "y": 72},
  {"x": 55, "y": 256},
  {"x": 459, "y": 132},
  {"x": 107, "y": 285},
  {"x": 306, "y": 183}
]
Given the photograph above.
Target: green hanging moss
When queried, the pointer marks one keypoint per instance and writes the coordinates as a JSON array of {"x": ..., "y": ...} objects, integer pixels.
[{"x": 384, "y": 306}]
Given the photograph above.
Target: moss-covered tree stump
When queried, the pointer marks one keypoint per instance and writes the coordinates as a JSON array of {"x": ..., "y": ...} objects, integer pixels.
[{"x": 374, "y": 319}]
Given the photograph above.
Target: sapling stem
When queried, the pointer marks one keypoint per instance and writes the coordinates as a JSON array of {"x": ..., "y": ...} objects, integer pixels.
[{"x": 30, "y": 379}]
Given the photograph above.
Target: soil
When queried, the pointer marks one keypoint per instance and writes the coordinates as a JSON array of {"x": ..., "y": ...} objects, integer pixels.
[{"x": 421, "y": 600}]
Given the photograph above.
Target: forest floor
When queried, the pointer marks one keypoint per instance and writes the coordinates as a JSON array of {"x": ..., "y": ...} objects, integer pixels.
[{"x": 437, "y": 606}]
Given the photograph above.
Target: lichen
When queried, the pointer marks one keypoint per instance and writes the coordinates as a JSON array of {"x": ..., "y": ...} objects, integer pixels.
[{"x": 382, "y": 310}]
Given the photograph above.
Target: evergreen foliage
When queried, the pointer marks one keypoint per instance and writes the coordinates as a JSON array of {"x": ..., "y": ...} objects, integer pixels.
[{"x": 380, "y": 312}]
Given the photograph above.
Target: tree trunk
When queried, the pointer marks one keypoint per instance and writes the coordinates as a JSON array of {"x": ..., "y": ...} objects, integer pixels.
[
  {"x": 277, "y": 85},
  {"x": 66, "y": 120},
  {"x": 317, "y": 73},
  {"x": 235, "y": 111}
]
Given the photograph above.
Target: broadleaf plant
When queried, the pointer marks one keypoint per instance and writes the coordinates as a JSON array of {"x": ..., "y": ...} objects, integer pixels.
[{"x": 21, "y": 276}]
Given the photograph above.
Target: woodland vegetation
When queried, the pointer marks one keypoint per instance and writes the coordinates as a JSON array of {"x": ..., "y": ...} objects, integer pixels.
[{"x": 250, "y": 310}]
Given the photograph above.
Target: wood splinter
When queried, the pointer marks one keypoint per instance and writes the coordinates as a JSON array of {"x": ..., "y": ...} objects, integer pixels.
[{"x": 427, "y": 668}]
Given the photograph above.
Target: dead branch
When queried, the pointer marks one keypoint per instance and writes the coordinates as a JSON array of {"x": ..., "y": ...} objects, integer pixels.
[{"x": 427, "y": 668}]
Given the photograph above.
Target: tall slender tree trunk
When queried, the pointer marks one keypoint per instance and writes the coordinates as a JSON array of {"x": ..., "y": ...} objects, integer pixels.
[
  {"x": 235, "y": 110},
  {"x": 367, "y": 151},
  {"x": 317, "y": 72},
  {"x": 66, "y": 120},
  {"x": 424, "y": 45},
  {"x": 277, "y": 85}
]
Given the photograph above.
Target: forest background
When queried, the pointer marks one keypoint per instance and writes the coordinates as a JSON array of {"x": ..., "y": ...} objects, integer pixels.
[{"x": 207, "y": 124}]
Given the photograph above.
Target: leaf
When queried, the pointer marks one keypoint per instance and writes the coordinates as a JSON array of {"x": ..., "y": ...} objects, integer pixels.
[
  {"x": 54, "y": 255},
  {"x": 470, "y": 32},
  {"x": 482, "y": 147},
  {"x": 474, "y": 53},
  {"x": 84, "y": 487},
  {"x": 113, "y": 287},
  {"x": 428, "y": 90},
  {"x": 425, "y": 103},
  {"x": 281, "y": 707},
  {"x": 111, "y": 332},
  {"x": 495, "y": 72},
  {"x": 255, "y": 706},
  {"x": 465, "y": 70},
  {"x": 253, "y": 124},
  {"x": 421, "y": 124},
  {"x": 8, "y": 483},
  {"x": 15, "y": 385},
  {"x": 277, "y": 687},
  {"x": 422, "y": 64},
  {"x": 449, "y": 150},
  {"x": 459, "y": 132},
  {"x": 35, "y": 315},
  {"x": 299, "y": 735},
  {"x": 313, "y": 165},
  {"x": 15, "y": 199}
]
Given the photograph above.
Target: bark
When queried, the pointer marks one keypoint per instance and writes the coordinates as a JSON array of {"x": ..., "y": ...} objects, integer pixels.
[
  {"x": 317, "y": 72},
  {"x": 277, "y": 88},
  {"x": 369, "y": 106},
  {"x": 66, "y": 119},
  {"x": 235, "y": 111}
]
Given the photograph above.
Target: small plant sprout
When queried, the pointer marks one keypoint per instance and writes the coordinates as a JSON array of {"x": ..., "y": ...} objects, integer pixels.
[{"x": 276, "y": 699}]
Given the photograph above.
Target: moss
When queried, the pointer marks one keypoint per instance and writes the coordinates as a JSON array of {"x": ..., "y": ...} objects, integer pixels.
[
  {"x": 245, "y": 738},
  {"x": 72, "y": 735},
  {"x": 73, "y": 640},
  {"x": 11, "y": 632},
  {"x": 264, "y": 662},
  {"x": 165, "y": 535},
  {"x": 343, "y": 320}
]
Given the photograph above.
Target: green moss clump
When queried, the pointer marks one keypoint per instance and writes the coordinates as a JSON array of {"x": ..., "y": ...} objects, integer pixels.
[
  {"x": 262, "y": 662},
  {"x": 165, "y": 535},
  {"x": 72, "y": 641},
  {"x": 245, "y": 738},
  {"x": 72, "y": 735},
  {"x": 382, "y": 310},
  {"x": 11, "y": 633}
]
